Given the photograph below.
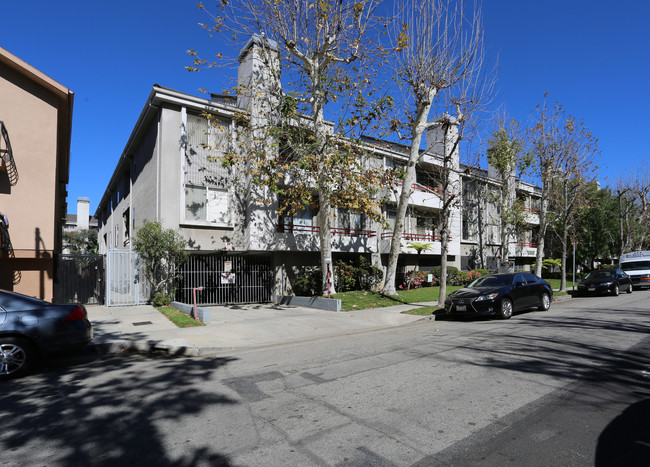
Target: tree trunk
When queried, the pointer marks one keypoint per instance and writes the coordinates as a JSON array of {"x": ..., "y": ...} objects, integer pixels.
[
  {"x": 403, "y": 200},
  {"x": 543, "y": 209},
  {"x": 325, "y": 235},
  {"x": 565, "y": 237},
  {"x": 444, "y": 248}
]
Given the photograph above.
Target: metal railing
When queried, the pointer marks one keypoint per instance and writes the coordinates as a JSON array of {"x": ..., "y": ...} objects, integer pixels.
[
  {"x": 226, "y": 279},
  {"x": 7, "y": 156},
  {"x": 414, "y": 237},
  {"x": 297, "y": 228}
]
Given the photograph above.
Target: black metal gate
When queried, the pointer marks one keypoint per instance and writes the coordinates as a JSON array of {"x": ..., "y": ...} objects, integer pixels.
[
  {"x": 80, "y": 278},
  {"x": 226, "y": 279}
]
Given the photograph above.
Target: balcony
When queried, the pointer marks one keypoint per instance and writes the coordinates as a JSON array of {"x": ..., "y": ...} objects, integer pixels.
[
  {"x": 414, "y": 237},
  {"x": 305, "y": 238},
  {"x": 525, "y": 249},
  {"x": 297, "y": 228},
  {"x": 531, "y": 215},
  {"x": 7, "y": 163},
  {"x": 423, "y": 195}
]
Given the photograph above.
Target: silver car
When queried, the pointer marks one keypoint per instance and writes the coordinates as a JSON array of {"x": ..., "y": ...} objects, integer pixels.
[{"x": 31, "y": 328}]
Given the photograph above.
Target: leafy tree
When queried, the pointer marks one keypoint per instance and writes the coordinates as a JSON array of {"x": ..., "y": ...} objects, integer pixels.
[
  {"x": 163, "y": 252},
  {"x": 440, "y": 52},
  {"x": 82, "y": 241},
  {"x": 324, "y": 49},
  {"x": 596, "y": 228}
]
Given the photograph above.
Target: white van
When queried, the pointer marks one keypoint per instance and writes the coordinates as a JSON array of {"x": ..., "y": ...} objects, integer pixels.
[{"x": 636, "y": 265}]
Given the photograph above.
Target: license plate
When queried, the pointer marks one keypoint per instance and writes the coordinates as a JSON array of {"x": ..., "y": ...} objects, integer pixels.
[
  {"x": 592, "y": 289},
  {"x": 461, "y": 308}
]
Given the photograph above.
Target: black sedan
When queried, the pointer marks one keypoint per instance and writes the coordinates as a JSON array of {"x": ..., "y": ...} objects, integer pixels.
[
  {"x": 30, "y": 328},
  {"x": 605, "y": 281},
  {"x": 501, "y": 294}
]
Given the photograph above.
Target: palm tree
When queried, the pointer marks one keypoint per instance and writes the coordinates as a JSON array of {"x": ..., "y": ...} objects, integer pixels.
[{"x": 419, "y": 247}]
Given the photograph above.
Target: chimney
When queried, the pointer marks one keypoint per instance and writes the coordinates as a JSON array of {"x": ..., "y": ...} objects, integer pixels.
[
  {"x": 83, "y": 213},
  {"x": 258, "y": 76}
]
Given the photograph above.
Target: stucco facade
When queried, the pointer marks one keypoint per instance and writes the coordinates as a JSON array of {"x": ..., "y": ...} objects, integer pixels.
[
  {"x": 37, "y": 114},
  {"x": 169, "y": 172}
]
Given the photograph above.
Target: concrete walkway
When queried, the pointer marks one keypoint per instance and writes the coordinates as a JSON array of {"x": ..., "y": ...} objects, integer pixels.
[{"x": 142, "y": 328}]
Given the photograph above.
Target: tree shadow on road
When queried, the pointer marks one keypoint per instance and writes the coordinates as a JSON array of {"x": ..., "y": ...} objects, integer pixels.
[{"x": 91, "y": 410}]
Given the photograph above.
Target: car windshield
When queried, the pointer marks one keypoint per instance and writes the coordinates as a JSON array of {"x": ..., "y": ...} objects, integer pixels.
[
  {"x": 492, "y": 281},
  {"x": 599, "y": 275},
  {"x": 635, "y": 265}
]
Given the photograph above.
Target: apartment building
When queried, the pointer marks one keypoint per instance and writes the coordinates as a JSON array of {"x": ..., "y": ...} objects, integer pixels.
[
  {"x": 35, "y": 127},
  {"x": 242, "y": 250}
]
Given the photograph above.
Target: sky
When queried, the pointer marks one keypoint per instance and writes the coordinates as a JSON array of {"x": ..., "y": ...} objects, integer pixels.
[{"x": 592, "y": 56}]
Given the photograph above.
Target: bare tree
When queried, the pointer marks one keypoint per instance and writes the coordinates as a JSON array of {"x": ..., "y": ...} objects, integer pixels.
[
  {"x": 506, "y": 156},
  {"x": 440, "y": 51},
  {"x": 641, "y": 189},
  {"x": 547, "y": 141},
  {"x": 576, "y": 168},
  {"x": 315, "y": 44}
]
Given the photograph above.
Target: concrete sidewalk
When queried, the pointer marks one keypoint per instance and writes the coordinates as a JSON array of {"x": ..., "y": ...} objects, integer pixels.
[{"x": 142, "y": 328}]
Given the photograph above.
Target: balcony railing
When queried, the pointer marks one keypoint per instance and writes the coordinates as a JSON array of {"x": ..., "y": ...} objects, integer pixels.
[
  {"x": 526, "y": 245},
  {"x": 531, "y": 210},
  {"x": 425, "y": 188},
  {"x": 353, "y": 232},
  {"x": 298, "y": 228},
  {"x": 413, "y": 237},
  {"x": 7, "y": 156}
]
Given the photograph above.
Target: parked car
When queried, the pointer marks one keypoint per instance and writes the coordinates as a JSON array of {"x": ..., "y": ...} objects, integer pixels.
[
  {"x": 605, "y": 281},
  {"x": 31, "y": 328},
  {"x": 501, "y": 294}
]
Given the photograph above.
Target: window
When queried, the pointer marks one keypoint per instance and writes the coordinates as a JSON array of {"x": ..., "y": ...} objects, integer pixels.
[
  {"x": 493, "y": 234},
  {"x": 350, "y": 220},
  {"x": 126, "y": 226},
  {"x": 206, "y": 204},
  {"x": 425, "y": 224},
  {"x": 205, "y": 179},
  {"x": 391, "y": 217},
  {"x": 395, "y": 164}
]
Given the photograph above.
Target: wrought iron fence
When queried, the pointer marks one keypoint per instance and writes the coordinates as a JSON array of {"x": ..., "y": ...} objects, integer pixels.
[
  {"x": 79, "y": 278},
  {"x": 226, "y": 279}
]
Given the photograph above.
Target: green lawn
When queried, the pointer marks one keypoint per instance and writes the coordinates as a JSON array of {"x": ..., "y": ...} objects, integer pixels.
[
  {"x": 178, "y": 318},
  {"x": 364, "y": 299},
  {"x": 555, "y": 284}
]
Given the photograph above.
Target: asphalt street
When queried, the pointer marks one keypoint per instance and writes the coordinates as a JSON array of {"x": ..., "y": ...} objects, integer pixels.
[{"x": 563, "y": 387}]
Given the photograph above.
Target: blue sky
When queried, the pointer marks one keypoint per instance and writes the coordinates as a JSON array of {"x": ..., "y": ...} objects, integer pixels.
[{"x": 591, "y": 56}]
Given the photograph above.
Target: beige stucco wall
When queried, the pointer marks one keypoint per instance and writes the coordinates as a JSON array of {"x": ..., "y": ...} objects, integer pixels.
[{"x": 30, "y": 114}]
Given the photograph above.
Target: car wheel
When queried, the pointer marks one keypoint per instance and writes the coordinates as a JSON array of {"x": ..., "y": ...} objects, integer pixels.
[
  {"x": 546, "y": 302},
  {"x": 615, "y": 290},
  {"x": 506, "y": 309},
  {"x": 16, "y": 357},
  {"x": 629, "y": 289}
]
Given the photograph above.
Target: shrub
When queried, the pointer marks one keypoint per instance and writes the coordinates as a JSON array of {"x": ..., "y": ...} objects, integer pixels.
[
  {"x": 307, "y": 282},
  {"x": 464, "y": 278},
  {"x": 413, "y": 280},
  {"x": 161, "y": 299},
  {"x": 345, "y": 276},
  {"x": 481, "y": 272},
  {"x": 451, "y": 273}
]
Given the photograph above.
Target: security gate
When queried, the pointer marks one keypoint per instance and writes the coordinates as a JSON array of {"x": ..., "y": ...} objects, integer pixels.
[
  {"x": 123, "y": 286},
  {"x": 79, "y": 278},
  {"x": 226, "y": 279}
]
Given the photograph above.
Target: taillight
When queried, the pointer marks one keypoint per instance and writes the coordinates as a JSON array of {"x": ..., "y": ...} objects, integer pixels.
[{"x": 79, "y": 313}]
